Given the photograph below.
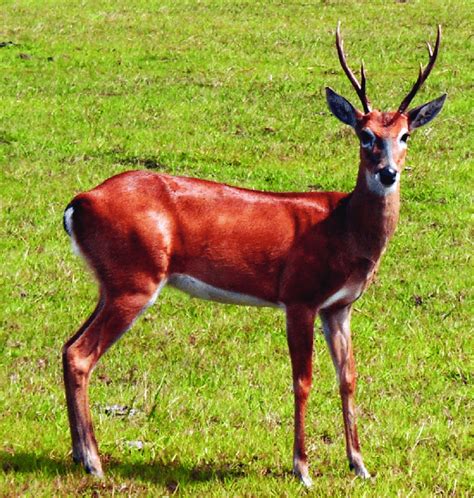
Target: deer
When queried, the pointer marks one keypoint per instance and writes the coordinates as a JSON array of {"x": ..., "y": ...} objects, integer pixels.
[{"x": 309, "y": 254}]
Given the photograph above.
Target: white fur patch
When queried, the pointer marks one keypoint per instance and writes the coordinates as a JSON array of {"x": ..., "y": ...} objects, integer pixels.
[
  {"x": 346, "y": 293},
  {"x": 377, "y": 187},
  {"x": 200, "y": 289},
  {"x": 70, "y": 230}
]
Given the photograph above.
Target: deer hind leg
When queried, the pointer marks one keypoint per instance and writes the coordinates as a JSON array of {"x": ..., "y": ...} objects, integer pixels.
[
  {"x": 113, "y": 316},
  {"x": 336, "y": 327},
  {"x": 76, "y": 453},
  {"x": 300, "y": 332}
]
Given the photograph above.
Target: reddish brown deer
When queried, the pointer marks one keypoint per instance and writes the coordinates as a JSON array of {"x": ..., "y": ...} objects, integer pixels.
[{"x": 307, "y": 253}]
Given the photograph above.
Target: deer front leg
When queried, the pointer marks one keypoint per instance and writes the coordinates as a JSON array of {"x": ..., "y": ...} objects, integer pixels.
[
  {"x": 336, "y": 327},
  {"x": 300, "y": 331}
]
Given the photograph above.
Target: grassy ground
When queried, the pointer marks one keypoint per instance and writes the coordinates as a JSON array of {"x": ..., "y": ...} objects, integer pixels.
[{"x": 231, "y": 91}]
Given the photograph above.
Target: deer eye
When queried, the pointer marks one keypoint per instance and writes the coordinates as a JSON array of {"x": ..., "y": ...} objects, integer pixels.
[
  {"x": 404, "y": 138},
  {"x": 367, "y": 139}
]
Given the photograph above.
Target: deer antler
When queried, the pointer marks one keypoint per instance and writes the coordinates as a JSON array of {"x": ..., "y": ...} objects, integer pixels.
[
  {"x": 423, "y": 74},
  {"x": 359, "y": 88}
]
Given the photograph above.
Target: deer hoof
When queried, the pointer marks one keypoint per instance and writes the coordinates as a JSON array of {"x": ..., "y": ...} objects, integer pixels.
[
  {"x": 94, "y": 471},
  {"x": 360, "y": 470},
  {"x": 93, "y": 466},
  {"x": 306, "y": 481},
  {"x": 300, "y": 470}
]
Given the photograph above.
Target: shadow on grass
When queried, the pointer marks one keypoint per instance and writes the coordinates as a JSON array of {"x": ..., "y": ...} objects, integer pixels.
[
  {"x": 155, "y": 472},
  {"x": 27, "y": 463}
]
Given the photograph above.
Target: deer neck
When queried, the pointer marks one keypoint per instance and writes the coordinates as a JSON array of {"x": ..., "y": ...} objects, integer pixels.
[{"x": 372, "y": 218}]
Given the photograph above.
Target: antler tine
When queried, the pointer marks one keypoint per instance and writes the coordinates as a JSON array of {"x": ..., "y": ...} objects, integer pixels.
[
  {"x": 363, "y": 81},
  {"x": 424, "y": 73},
  {"x": 360, "y": 89},
  {"x": 430, "y": 50}
]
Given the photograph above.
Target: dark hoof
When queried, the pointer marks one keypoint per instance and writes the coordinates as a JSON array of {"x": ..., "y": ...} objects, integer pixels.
[{"x": 94, "y": 471}]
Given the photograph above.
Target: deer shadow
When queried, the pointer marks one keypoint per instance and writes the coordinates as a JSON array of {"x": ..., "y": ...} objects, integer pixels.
[
  {"x": 27, "y": 463},
  {"x": 153, "y": 472}
]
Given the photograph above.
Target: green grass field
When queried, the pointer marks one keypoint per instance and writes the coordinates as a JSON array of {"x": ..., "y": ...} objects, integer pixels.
[{"x": 232, "y": 91}]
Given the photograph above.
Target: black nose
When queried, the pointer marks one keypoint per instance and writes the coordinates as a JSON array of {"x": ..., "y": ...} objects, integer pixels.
[{"x": 388, "y": 176}]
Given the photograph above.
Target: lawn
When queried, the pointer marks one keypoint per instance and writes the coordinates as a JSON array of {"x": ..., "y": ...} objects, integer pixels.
[{"x": 196, "y": 399}]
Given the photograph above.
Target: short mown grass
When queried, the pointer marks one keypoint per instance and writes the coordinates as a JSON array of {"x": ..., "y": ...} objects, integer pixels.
[{"x": 232, "y": 91}]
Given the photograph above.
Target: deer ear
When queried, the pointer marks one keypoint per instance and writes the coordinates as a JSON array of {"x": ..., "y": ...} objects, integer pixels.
[
  {"x": 341, "y": 108},
  {"x": 423, "y": 114}
]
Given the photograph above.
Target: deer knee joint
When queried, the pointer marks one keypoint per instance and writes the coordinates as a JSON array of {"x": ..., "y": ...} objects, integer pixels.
[
  {"x": 76, "y": 363},
  {"x": 347, "y": 384},
  {"x": 302, "y": 387}
]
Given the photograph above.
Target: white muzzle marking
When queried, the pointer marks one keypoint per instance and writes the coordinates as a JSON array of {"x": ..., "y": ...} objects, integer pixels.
[{"x": 377, "y": 187}]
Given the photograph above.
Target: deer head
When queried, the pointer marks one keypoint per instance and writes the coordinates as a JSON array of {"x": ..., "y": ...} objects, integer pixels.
[{"x": 383, "y": 135}]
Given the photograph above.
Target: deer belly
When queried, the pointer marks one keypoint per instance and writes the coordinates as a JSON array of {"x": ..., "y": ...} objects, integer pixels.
[{"x": 197, "y": 288}]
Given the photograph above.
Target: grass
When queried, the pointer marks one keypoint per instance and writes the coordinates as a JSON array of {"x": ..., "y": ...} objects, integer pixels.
[{"x": 231, "y": 91}]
